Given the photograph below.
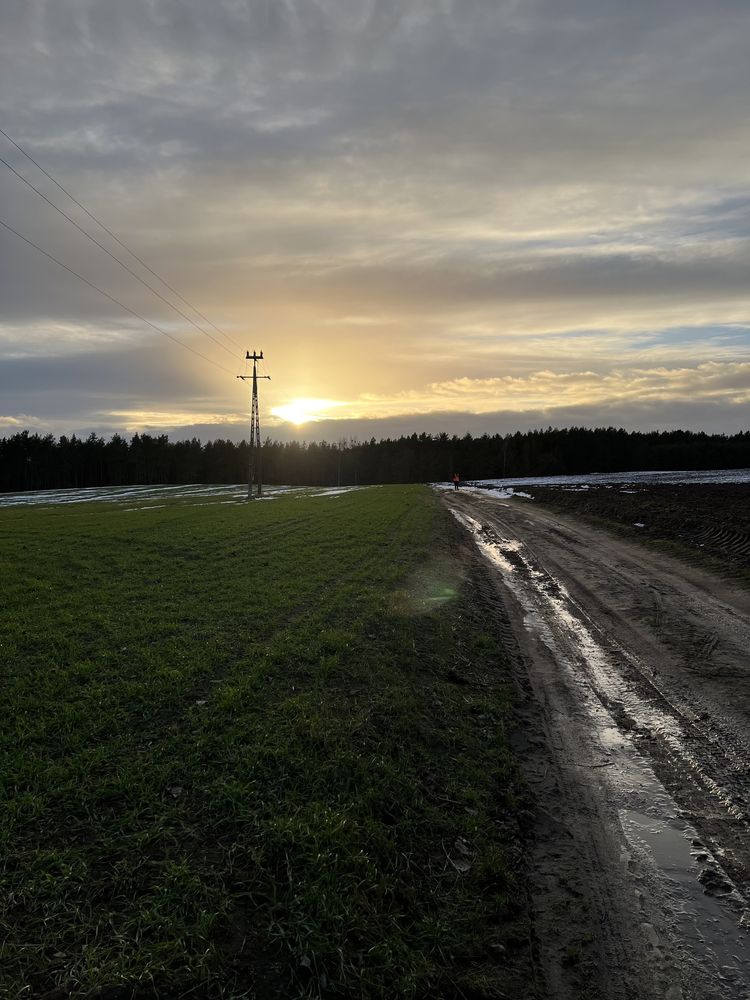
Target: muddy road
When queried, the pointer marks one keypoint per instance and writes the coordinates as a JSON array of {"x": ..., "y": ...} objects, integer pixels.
[{"x": 635, "y": 739}]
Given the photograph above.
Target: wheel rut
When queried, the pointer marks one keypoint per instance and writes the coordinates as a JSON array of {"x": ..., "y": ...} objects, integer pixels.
[{"x": 637, "y": 702}]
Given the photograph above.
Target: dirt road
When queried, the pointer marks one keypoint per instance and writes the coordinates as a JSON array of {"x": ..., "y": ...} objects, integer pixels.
[{"x": 635, "y": 739}]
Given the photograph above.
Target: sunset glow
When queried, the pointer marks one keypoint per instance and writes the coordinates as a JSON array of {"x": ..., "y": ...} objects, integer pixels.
[{"x": 303, "y": 411}]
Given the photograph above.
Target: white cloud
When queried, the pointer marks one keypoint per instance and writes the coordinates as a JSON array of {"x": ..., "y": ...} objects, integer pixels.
[{"x": 549, "y": 391}]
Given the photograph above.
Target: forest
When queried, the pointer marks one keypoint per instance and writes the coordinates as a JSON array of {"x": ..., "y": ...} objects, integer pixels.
[{"x": 30, "y": 461}]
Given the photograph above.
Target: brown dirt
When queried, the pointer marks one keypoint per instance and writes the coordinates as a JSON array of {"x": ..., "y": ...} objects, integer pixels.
[
  {"x": 710, "y": 520},
  {"x": 636, "y": 701}
]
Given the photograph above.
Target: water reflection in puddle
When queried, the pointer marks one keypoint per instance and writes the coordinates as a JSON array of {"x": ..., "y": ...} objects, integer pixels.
[{"x": 707, "y": 925}]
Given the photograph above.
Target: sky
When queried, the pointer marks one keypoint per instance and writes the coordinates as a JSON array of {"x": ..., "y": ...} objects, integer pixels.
[{"x": 430, "y": 215}]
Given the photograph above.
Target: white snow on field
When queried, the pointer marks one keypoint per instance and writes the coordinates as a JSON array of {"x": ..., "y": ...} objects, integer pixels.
[
  {"x": 685, "y": 478},
  {"x": 118, "y": 493},
  {"x": 504, "y": 488},
  {"x": 337, "y": 491},
  {"x": 479, "y": 489},
  {"x": 193, "y": 496},
  {"x": 504, "y": 492},
  {"x": 509, "y": 487}
]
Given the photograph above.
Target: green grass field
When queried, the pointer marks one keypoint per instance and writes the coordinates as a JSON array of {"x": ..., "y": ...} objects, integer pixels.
[{"x": 254, "y": 750}]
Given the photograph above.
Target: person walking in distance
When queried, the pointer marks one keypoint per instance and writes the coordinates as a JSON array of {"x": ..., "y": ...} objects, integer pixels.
[{"x": 456, "y": 481}]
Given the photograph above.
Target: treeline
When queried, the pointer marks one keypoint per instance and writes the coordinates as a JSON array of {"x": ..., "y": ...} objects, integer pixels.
[{"x": 40, "y": 462}]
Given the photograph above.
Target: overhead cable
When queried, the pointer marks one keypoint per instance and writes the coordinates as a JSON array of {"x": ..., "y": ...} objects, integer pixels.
[
  {"x": 117, "y": 302},
  {"x": 117, "y": 240},
  {"x": 114, "y": 257}
]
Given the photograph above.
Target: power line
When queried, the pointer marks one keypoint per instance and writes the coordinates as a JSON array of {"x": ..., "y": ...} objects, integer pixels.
[
  {"x": 114, "y": 257},
  {"x": 117, "y": 302},
  {"x": 119, "y": 241}
]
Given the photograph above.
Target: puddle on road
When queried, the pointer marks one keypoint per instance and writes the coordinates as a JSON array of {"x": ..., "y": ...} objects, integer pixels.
[
  {"x": 707, "y": 910},
  {"x": 707, "y": 926},
  {"x": 667, "y": 844}
]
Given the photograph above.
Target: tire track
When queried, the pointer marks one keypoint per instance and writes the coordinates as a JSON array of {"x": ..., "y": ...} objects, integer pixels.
[{"x": 636, "y": 636}]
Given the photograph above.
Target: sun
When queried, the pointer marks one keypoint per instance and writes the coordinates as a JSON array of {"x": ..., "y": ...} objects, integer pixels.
[{"x": 303, "y": 411}]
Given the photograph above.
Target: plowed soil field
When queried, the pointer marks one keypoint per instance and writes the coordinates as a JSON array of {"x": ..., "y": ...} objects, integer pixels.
[{"x": 708, "y": 520}]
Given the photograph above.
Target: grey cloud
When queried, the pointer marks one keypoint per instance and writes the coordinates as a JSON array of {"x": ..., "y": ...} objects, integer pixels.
[
  {"x": 420, "y": 66},
  {"x": 337, "y": 156},
  {"x": 448, "y": 285},
  {"x": 60, "y": 388}
]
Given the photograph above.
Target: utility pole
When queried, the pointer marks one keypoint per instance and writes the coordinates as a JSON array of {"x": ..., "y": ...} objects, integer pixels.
[{"x": 255, "y": 471}]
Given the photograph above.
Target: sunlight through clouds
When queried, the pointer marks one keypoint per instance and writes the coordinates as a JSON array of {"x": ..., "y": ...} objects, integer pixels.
[
  {"x": 548, "y": 390},
  {"x": 303, "y": 411},
  {"x": 413, "y": 208}
]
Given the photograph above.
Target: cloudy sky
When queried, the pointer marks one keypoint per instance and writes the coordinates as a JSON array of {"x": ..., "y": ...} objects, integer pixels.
[{"x": 429, "y": 214}]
